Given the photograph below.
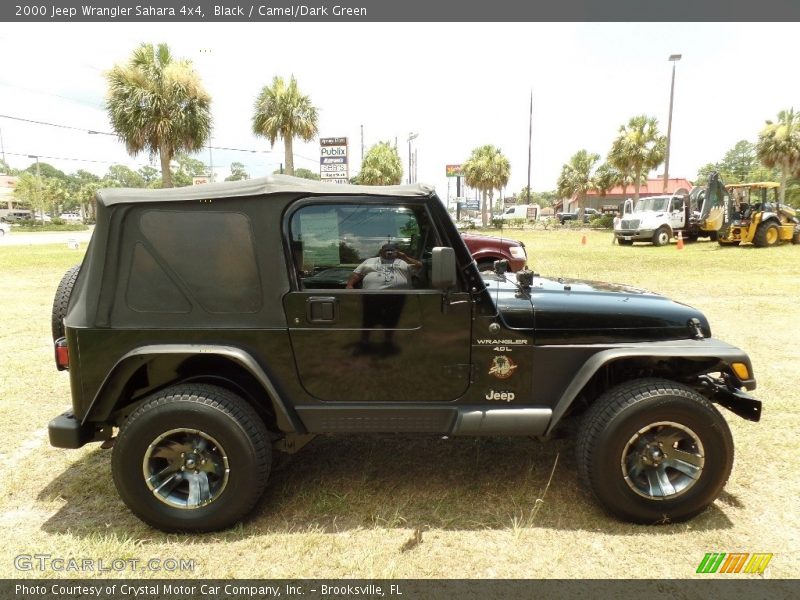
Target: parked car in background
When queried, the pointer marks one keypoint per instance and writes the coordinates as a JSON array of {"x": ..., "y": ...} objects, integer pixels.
[
  {"x": 14, "y": 215},
  {"x": 588, "y": 213},
  {"x": 486, "y": 249},
  {"x": 528, "y": 212},
  {"x": 72, "y": 217}
]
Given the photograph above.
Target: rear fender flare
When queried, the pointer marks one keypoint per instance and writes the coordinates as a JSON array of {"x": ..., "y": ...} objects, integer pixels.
[{"x": 124, "y": 368}]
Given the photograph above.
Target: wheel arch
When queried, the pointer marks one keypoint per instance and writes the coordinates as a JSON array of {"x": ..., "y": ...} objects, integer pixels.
[
  {"x": 488, "y": 254},
  {"x": 146, "y": 369},
  {"x": 683, "y": 364}
]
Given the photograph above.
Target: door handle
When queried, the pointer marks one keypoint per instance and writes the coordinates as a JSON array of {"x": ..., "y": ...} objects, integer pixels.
[{"x": 322, "y": 309}]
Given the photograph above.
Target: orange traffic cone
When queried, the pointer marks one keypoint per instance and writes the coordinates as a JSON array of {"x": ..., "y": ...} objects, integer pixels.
[
  {"x": 583, "y": 240},
  {"x": 680, "y": 240}
]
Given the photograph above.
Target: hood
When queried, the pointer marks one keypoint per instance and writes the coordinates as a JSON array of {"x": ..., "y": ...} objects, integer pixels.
[{"x": 573, "y": 311}]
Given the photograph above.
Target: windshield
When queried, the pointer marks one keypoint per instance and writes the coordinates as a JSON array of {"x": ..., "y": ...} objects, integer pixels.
[{"x": 654, "y": 203}]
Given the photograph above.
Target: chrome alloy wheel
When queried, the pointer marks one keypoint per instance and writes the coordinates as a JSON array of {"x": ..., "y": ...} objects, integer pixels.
[
  {"x": 186, "y": 468},
  {"x": 662, "y": 460}
]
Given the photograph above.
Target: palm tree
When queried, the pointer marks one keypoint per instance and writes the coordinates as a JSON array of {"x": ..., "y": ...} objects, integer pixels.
[
  {"x": 282, "y": 111},
  {"x": 779, "y": 146},
  {"x": 486, "y": 170},
  {"x": 381, "y": 166},
  {"x": 157, "y": 103},
  {"x": 576, "y": 175},
  {"x": 638, "y": 149},
  {"x": 605, "y": 178}
]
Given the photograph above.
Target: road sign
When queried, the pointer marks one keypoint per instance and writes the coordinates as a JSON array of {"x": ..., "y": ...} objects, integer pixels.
[
  {"x": 333, "y": 160},
  {"x": 452, "y": 170}
]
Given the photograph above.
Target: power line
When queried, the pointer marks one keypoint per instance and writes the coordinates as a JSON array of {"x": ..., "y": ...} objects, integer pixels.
[
  {"x": 108, "y": 162},
  {"x": 93, "y": 132},
  {"x": 33, "y": 91}
]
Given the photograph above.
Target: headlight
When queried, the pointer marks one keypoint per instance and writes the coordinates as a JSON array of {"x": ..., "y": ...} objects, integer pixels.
[{"x": 518, "y": 252}]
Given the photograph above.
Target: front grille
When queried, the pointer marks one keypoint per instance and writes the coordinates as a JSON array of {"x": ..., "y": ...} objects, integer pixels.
[{"x": 629, "y": 224}]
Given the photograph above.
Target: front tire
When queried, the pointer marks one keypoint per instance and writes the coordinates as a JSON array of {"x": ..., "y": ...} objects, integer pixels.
[
  {"x": 766, "y": 235},
  {"x": 192, "y": 458},
  {"x": 661, "y": 236},
  {"x": 622, "y": 242},
  {"x": 654, "y": 451}
]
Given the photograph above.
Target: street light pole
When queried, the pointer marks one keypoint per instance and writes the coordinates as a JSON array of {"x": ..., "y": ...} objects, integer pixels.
[
  {"x": 411, "y": 136},
  {"x": 673, "y": 58}
]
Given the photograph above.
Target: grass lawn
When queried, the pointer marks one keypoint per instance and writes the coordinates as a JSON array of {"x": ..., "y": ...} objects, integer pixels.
[{"x": 351, "y": 506}]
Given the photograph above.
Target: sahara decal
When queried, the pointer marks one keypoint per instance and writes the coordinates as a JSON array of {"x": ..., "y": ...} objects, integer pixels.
[
  {"x": 504, "y": 396},
  {"x": 502, "y": 367}
]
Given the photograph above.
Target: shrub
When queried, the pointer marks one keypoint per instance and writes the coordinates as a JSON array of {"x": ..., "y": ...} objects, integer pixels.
[{"x": 602, "y": 222}]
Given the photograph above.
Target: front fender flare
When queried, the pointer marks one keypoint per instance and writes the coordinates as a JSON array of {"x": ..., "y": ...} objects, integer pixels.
[{"x": 705, "y": 348}]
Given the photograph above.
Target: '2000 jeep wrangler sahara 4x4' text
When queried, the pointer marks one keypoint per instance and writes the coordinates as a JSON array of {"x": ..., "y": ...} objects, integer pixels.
[{"x": 217, "y": 323}]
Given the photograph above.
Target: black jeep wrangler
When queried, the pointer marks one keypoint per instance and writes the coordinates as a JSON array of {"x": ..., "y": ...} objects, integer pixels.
[{"x": 217, "y": 323}]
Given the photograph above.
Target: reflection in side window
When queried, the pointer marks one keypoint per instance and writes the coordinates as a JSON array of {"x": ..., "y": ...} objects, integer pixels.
[{"x": 330, "y": 242}]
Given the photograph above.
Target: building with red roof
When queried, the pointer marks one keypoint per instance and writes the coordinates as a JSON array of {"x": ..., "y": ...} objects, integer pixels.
[{"x": 611, "y": 200}]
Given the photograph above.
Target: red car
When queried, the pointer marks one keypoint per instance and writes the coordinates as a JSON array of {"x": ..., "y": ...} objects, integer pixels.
[{"x": 486, "y": 249}]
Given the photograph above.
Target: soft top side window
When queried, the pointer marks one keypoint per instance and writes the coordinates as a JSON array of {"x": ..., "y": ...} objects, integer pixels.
[{"x": 329, "y": 241}]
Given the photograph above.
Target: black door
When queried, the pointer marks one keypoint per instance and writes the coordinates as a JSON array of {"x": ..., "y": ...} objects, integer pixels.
[{"x": 390, "y": 339}]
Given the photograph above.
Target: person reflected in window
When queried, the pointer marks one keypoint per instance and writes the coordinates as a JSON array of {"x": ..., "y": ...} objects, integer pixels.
[{"x": 390, "y": 270}]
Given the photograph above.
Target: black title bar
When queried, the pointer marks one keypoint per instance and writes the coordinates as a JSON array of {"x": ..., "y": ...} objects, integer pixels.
[{"x": 354, "y": 11}]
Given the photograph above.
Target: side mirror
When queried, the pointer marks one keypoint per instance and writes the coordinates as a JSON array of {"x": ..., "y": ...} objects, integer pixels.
[{"x": 443, "y": 268}]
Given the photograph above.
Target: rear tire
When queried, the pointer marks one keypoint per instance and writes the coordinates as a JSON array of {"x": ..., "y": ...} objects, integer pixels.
[
  {"x": 661, "y": 236},
  {"x": 766, "y": 235},
  {"x": 61, "y": 301},
  {"x": 192, "y": 458},
  {"x": 485, "y": 265},
  {"x": 654, "y": 451},
  {"x": 796, "y": 237}
]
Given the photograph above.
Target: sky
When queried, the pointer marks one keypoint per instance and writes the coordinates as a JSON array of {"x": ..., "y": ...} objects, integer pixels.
[{"x": 456, "y": 85}]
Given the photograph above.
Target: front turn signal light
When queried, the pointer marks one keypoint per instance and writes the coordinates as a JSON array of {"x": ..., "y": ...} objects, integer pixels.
[{"x": 741, "y": 370}]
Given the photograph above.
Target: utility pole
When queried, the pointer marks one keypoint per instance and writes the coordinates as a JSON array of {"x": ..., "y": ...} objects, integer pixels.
[
  {"x": 530, "y": 136},
  {"x": 673, "y": 59},
  {"x": 210, "y": 164},
  {"x": 362, "y": 144},
  {"x": 38, "y": 186},
  {"x": 411, "y": 137}
]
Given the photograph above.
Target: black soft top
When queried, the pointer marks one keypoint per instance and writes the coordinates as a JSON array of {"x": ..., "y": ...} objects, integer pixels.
[{"x": 274, "y": 184}]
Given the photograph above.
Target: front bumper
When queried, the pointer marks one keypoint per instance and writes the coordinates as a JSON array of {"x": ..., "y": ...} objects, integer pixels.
[
  {"x": 637, "y": 235},
  {"x": 735, "y": 400},
  {"x": 516, "y": 264}
]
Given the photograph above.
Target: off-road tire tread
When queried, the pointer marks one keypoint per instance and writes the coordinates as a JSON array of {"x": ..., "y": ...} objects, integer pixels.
[
  {"x": 61, "y": 301},
  {"x": 612, "y": 403},
  {"x": 228, "y": 404},
  {"x": 760, "y": 237}
]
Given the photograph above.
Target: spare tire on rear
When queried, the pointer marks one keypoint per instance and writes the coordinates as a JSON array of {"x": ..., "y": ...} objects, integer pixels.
[{"x": 61, "y": 301}]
